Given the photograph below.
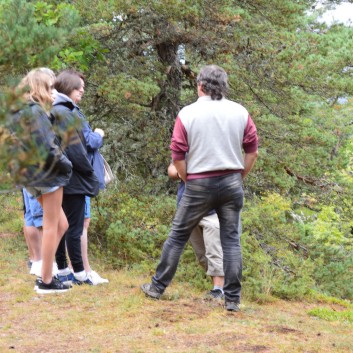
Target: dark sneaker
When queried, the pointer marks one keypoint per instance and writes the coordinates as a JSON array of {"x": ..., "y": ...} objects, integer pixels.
[
  {"x": 232, "y": 306},
  {"x": 71, "y": 279},
  {"x": 151, "y": 291},
  {"x": 55, "y": 286},
  {"x": 214, "y": 294},
  {"x": 80, "y": 283},
  {"x": 36, "y": 283}
]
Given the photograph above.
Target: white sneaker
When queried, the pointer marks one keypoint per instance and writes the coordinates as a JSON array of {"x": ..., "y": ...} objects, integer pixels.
[
  {"x": 95, "y": 278},
  {"x": 36, "y": 268},
  {"x": 55, "y": 269}
]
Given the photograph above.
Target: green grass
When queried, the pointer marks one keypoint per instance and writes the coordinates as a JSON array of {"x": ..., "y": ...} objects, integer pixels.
[
  {"x": 11, "y": 214},
  {"x": 332, "y": 314}
]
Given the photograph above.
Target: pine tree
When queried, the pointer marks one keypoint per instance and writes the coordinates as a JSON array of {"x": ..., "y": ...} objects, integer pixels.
[
  {"x": 31, "y": 34},
  {"x": 281, "y": 62}
]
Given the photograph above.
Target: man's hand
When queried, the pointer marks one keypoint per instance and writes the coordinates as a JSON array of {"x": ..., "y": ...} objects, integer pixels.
[
  {"x": 172, "y": 172},
  {"x": 249, "y": 162},
  {"x": 99, "y": 131},
  {"x": 181, "y": 169}
]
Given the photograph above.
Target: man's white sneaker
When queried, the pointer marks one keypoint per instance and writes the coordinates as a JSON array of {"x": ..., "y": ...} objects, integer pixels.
[
  {"x": 95, "y": 278},
  {"x": 36, "y": 268},
  {"x": 55, "y": 269}
]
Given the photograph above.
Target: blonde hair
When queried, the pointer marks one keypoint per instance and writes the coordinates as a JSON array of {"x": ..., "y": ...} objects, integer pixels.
[
  {"x": 37, "y": 86},
  {"x": 49, "y": 72}
]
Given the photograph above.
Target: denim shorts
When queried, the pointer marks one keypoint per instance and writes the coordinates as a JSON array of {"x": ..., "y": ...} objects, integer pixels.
[
  {"x": 37, "y": 191},
  {"x": 87, "y": 207},
  {"x": 33, "y": 214}
]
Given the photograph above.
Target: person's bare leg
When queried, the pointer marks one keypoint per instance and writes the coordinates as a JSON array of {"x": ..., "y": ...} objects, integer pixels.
[
  {"x": 218, "y": 281},
  {"x": 35, "y": 239},
  {"x": 34, "y": 243},
  {"x": 84, "y": 245},
  {"x": 27, "y": 233},
  {"x": 62, "y": 226},
  {"x": 93, "y": 276},
  {"x": 52, "y": 221}
]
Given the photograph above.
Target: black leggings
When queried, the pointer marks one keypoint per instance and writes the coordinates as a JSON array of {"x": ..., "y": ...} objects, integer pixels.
[{"x": 74, "y": 208}]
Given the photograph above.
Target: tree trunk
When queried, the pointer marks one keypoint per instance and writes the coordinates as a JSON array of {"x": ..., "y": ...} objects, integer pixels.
[{"x": 166, "y": 103}]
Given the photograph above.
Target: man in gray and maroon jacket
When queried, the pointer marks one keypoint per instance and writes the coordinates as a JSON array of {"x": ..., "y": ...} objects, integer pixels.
[{"x": 207, "y": 147}]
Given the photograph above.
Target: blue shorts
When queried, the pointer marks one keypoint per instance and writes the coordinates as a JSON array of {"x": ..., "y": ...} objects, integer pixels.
[
  {"x": 87, "y": 207},
  {"x": 33, "y": 210},
  {"x": 37, "y": 191}
]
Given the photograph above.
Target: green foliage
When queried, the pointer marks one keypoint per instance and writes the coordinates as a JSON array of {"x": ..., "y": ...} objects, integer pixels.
[
  {"x": 322, "y": 298},
  {"x": 131, "y": 229},
  {"x": 270, "y": 266},
  {"x": 83, "y": 50},
  {"x": 40, "y": 31},
  {"x": 190, "y": 271},
  {"x": 287, "y": 254},
  {"x": 283, "y": 66},
  {"x": 327, "y": 236},
  {"x": 31, "y": 34}
]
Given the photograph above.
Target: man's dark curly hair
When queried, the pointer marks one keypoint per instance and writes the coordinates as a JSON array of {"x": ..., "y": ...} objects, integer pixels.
[{"x": 214, "y": 81}]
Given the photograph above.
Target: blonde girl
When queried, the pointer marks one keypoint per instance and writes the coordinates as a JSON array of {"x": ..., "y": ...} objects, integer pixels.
[{"x": 45, "y": 179}]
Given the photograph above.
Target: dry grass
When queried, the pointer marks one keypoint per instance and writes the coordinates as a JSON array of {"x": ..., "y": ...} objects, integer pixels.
[{"x": 118, "y": 318}]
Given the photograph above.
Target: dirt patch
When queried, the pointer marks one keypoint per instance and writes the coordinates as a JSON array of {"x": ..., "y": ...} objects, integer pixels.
[
  {"x": 253, "y": 349},
  {"x": 8, "y": 235},
  {"x": 284, "y": 330}
]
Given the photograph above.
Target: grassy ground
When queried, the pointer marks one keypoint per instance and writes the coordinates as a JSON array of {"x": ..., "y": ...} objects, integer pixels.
[{"x": 118, "y": 318}]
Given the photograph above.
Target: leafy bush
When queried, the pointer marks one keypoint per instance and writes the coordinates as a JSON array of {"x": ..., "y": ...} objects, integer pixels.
[
  {"x": 329, "y": 241},
  {"x": 288, "y": 254},
  {"x": 273, "y": 261},
  {"x": 130, "y": 229}
]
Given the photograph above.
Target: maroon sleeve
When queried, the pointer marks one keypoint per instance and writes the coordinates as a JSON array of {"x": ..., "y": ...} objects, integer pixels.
[
  {"x": 250, "y": 140},
  {"x": 179, "y": 145}
]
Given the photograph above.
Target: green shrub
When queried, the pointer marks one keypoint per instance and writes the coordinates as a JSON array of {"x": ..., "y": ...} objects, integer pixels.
[
  {"x": 131, "y": 229},
  {"x": 285, "y": 254},
  {"x": 272, "y": 264}
]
